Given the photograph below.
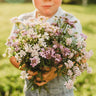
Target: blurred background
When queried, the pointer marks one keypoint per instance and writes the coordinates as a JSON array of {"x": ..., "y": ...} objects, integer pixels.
[{"x": 85, "y": 10}]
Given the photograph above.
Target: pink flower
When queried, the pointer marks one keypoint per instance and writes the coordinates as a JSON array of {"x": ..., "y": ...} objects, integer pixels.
[
  {"x": 58, "y": 58},
  {"x": 13, "y": 37},
  {"x": 54, "y": 46},
  {"x": 70, "y": 64},
  {"x": 69, "y": 84},
  {"x": 15, "y": 44},
  {"x": 52, "y": 53},
  {"x": 61, "y": 47},
  {"x": 84, "y": 44},
  {"x": 48, "y": 54},
  {"x": 9, "y": 43},
  {"x": 70, "y": 73},
  {"x": 76, "y": 71},
  {"x": 79, "y": 43},
  {"x": 66, "y": 52},
  {"x": 70, "y": 32},
  {"x": 17, "y": 48},
  {"x": 42, "y": 54},
  {"x": 88, "y": 54},
  {"x": 68, "y": 41},
  {"x": 84, "y": 36},
  {"x": 89, "y": 69},
  {"x": 17, "y": 31},
  {"x": 34, "y": 61},
  {"x": 71, "y": 55},
  {"x": 24, "y": 33}
]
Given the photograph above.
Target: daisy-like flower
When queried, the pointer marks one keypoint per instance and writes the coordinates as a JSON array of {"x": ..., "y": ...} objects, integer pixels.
[
  {"x": 45, "y": 36},
  {"x": 22, "y": 53},
  {"x": 34, "y": 61},
  {"x": 69, "y": 84},
  {"x": 36, "y": 47},
  {"x": 34, "y": 53},
  {"x": 14, "y": 19},
  {"x": 70, "y": 32},
  {"x": 70, "y": 73},
  {"x": 24, "y": 75},
  {"x": 70, "y": 63},
  {"x": 89, "y": 69},
  {"x": 68, "y": 41},
  {"x": 28, "y": 48}
]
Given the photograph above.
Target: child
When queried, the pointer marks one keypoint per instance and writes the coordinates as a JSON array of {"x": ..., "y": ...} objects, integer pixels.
[{"x": 50, "y": 9}]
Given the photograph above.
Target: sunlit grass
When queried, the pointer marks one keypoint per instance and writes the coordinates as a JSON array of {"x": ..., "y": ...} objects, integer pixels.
[{"x": 10, "y": 83}]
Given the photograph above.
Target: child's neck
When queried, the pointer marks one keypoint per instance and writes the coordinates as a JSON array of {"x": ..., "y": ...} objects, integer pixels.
[{"x": 40, "y": 14}]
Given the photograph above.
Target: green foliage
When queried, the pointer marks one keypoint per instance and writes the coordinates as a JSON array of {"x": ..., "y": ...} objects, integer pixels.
[
  {"x": 10, "y": 82},
  {"x": 71, "y": 1},
  {"x": 92, "y": 1},
  {"x": 15, "y": 1}
]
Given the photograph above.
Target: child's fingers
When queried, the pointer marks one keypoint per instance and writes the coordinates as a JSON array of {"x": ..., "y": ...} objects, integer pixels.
[
  {"x": 29, "y": 77},
  {"x": 35, "y": 73},
  {"x": 41, "y": 84},
  {"x": 32, "y": 73},
  {"x": 60, "y": 66}
]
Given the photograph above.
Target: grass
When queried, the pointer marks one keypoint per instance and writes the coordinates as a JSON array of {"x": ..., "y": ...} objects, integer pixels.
[{"x": 11, "y": 84}]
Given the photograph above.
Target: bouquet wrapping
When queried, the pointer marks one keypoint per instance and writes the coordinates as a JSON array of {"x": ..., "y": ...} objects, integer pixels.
[{"x": 38, "y": 45}]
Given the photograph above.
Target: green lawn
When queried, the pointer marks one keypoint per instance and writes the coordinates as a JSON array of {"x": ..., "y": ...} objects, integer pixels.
[{"x": 11, "y": 84}]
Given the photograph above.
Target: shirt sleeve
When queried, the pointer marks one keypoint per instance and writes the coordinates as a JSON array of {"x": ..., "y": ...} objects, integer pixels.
[
  {"x": 14, "y": 28},
  {"x": 78, "y": 27},
  {"x": 12, "y": 31}
]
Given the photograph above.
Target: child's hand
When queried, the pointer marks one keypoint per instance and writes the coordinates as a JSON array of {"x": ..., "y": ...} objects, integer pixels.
[
  {"x": 46, "y": 76},
  {"x": 15, "y": 63}
]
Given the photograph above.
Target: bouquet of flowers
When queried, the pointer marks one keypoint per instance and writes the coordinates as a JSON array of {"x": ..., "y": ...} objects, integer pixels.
[{"x": 38, "y": 45}]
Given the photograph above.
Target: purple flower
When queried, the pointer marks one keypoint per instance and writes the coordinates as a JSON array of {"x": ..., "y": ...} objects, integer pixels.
[
  {"x": 24, "y": 33},
  {"x": 66, "y": 52},
  {"x": 34, "y": 61},
  {"x": 15, "y": 44},
  {"x": 42, "y": 54},
  {"x": 84, "y": 36},
  {"x": 48, "y": 54},
  {"x": 69, "y": 84},
  {"x": 17, "y": 48},
  {"x": 9, "y": 43},
  {"x": 58, "y": 58}
]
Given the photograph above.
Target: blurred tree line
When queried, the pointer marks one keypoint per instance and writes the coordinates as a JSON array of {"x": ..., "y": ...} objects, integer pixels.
[{"x": 83, "y": 2}]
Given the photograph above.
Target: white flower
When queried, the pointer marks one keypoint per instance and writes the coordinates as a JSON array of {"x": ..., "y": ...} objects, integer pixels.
[
  {"x": 14, "y": 19},
  {"x": 78, "y": 59},
  {"x": 4, "y": 55},
  {"x": 28, "y": 48},
  {"x": 34, "y": 61},
  {"x": 41, "y": 42},
  {"x": 45, "y": 36},
  {"x": 88, "y": 54},
  {"x": 24, "y": 75},
  {"x": 69, "y": 84},
  {"x": 34, "y": 53},
  {"x": 70, "y": 73},
  {"x": 89, "y": 69},
  {"x": 68, "y": 41},
  {"x": 79, "y": 43},
  {"x": 22, "y": 53},
  {"x": 36, "y": 47},
  {"x": 71, "y": 55},
  {"x": 18, "y": 58},
  {"x": 76, "y": 71},
  {"x": 70, "y": 63},
  {"x": 70, "y": 32}
]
